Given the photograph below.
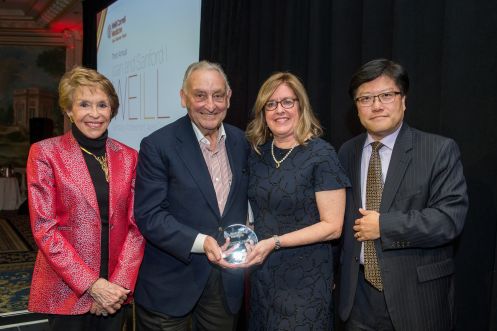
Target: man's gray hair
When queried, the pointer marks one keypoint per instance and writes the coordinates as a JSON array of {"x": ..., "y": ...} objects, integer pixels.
[{"x": 204, "y": 65}]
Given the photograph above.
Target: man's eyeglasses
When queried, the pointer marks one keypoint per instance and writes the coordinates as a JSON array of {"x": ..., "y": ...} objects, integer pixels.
[
  {"x": 286, "y": 103},
  {"x": 385, "y": 97}
]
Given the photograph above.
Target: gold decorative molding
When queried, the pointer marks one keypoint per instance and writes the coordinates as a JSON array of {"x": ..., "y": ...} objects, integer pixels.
[
  {"x": 31, "y": 37},
  {"x": 54, "y": 10},
  {"x": 39, "y": 22}
]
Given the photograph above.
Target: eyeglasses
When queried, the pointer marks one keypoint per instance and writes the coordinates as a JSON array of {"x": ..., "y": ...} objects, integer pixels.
[
  {"x": 385, "y": 97},
  {"x": 286, "y": 103}
]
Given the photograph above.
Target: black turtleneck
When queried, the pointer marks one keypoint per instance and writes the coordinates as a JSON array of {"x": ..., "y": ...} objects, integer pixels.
[{"x": 97, "y": 147}]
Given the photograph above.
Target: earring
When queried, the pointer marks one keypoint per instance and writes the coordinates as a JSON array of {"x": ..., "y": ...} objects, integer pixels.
[{"x": 70, "y": 119}]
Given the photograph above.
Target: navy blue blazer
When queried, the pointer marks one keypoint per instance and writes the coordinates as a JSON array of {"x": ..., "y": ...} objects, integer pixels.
[
  {"x": 174, "y": 202},
  {"x": 423, "y": 209}
]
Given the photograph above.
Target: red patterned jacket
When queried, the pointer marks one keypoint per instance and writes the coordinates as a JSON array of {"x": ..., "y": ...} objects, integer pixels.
[{"x": 66, "y": 225}]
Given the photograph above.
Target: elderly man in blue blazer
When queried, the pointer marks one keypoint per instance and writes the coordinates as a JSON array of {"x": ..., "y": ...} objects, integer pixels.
[
  {"x": 406, "y": 207},
  {"x": 191, "y": 184}
]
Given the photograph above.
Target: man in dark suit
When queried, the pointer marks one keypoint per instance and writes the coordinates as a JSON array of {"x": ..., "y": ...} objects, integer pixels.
[
  {"x": 406, "y": 207},
  {"x": 191, "y": 184}
]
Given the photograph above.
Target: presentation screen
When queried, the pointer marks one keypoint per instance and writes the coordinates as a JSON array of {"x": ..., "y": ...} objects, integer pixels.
[{"x": 144, "y": 48}]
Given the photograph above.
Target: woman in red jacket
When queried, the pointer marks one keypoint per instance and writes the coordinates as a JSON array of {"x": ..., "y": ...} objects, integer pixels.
[{"x": 81, "y": 188}]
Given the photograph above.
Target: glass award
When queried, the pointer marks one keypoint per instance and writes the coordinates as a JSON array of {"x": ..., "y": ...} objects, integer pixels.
[{"x": 239, "y": 236}]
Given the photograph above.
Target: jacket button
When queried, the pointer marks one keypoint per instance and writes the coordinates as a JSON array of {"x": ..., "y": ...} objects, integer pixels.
[
  {"x": 356, "y": 259},
  {"x": 220, "y": 229}
]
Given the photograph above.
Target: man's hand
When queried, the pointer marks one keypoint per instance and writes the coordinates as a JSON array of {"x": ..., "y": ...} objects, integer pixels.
[
  {"x": 215, "y": 253},
  {"x": 212, "y": 249},
  {"x": 368, "y": 226}
]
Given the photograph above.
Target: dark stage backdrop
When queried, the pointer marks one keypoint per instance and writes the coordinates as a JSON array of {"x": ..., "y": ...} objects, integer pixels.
[{"x": 450, "y": 51}]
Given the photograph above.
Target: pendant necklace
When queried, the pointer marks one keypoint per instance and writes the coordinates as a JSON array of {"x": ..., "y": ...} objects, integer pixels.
[
  {"x": 278, "y": 163},
  {"x": 102, "y": 160}
]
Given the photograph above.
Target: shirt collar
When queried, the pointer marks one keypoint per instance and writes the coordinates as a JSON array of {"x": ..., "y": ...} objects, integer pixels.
[
  {"x": 387, "y": 141},
  {"x": 202, "y": 139}
]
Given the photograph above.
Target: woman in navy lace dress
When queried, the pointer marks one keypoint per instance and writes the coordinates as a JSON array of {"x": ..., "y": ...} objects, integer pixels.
[{"x": 297, "y": 194}]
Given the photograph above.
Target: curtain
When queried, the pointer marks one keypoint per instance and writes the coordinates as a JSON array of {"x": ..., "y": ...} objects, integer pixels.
[{"x": 450, "y": 51}]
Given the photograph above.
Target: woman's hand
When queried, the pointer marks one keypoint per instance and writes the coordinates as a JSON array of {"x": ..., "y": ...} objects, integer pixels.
[
  {"x": 258, "y": 253},
  {"x": 97, "y": 309},
  {"x": 108, "y": 295}
]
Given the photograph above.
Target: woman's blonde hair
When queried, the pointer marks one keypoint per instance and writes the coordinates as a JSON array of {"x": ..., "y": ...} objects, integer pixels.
[
  {"x": 308, "y": 126},
  {"x": 85, "y": 77}
]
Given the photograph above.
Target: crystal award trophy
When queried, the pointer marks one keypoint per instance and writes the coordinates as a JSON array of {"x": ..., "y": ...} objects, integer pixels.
[{"x": 239, "y": 236}]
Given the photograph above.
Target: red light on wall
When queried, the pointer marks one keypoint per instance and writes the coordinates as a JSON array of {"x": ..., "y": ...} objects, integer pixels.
[{"x": 61, "y": 26}]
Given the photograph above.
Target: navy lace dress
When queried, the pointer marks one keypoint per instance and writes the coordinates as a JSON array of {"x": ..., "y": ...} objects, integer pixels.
[{"x": 291, "y": 290}]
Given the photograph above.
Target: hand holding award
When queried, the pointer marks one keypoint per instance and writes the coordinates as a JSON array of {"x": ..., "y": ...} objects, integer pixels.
[{"x": 239, "y": 237}]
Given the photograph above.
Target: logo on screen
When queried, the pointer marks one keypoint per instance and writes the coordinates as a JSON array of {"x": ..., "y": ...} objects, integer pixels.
[{"x": 116, "y": 29}]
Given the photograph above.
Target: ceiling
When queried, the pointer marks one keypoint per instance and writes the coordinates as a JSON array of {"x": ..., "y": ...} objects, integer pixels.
[{"x": 38, "y": 22}]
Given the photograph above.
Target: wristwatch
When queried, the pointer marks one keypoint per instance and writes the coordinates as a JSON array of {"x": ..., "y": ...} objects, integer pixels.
[{"x": 277, "y": 243}]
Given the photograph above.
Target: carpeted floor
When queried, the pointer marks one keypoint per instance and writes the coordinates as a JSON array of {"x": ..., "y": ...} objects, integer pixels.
[
  {"x": 17, "y": 256},
  {"x": 15, "y": 281}
]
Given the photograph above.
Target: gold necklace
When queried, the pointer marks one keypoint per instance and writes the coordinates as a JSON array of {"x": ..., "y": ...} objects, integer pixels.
[
  {"x": 102, "y": 160},
  {"x": 278, "y": 163}
]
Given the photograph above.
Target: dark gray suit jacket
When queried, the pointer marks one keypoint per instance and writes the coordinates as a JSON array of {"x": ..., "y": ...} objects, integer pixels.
[
  {"x": 175, "y": 200},
  {"x": 423, "y": 209}
]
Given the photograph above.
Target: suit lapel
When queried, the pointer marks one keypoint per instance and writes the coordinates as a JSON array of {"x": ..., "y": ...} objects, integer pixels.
[
  {"x": 356, "y": 182},
  {"x": 79, "y": 171},
  {"x": 356, "y": 171},
  {"x": 401, "y": 157},
  {"x": 189, "y": 151},
  {"x": 236, "y": 171},
  {"x": 114, "y": 160}
]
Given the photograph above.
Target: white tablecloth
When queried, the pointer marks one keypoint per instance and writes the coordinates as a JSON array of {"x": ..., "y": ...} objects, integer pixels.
[{"x": 10, "y": 195}]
